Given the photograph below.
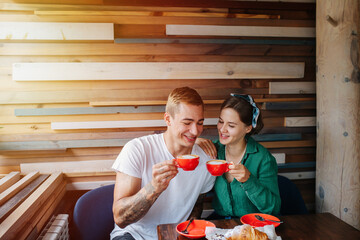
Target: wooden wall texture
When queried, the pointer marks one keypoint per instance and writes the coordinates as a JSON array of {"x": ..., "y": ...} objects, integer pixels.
[{"x": 79, "y": 80}]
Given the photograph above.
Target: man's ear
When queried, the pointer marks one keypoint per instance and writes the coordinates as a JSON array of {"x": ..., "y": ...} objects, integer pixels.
[{"x": 167, "y": 119}]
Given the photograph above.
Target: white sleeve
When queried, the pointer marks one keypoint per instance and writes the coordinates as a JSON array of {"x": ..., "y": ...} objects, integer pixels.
[{"x": 130, "y": 159}]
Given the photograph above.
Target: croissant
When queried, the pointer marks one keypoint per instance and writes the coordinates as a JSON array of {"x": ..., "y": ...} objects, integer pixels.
[{"x": 248, "y": 233}]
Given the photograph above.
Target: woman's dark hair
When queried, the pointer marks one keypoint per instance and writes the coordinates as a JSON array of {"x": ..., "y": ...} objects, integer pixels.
[{"x": 245, "y": 111}]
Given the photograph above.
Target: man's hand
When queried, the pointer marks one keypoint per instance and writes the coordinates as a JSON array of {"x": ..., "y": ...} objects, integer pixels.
[{"x": 162, "y": 174}]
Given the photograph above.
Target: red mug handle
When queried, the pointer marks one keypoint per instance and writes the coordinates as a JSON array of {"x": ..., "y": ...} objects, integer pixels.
[
  {"x": 176, "y": 163},
  {"x": 228, "y": 169}
]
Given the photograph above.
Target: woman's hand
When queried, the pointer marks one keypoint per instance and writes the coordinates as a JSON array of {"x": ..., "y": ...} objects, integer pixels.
[
  {"x": 239, "y": 172},
  {"x": 208, "y": 147}
]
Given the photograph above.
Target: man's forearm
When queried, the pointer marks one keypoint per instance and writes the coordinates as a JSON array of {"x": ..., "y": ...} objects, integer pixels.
[{"x": 131, "y": 209}]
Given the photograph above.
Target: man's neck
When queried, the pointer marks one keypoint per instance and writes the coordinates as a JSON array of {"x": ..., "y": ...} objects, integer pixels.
[{"x": 175, "y": 149}]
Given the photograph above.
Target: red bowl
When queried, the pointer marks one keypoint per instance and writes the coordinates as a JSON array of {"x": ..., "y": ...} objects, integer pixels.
[{"x": 196, "y": 229}]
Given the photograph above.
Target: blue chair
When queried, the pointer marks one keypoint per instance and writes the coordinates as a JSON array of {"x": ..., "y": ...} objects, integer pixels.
[
  {"x": 93, "y": 216},
  {"x": 291, "y": 199}
]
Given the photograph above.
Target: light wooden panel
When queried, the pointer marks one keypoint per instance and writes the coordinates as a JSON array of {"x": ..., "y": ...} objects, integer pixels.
[
  {"x": 9, "y": 180},
  {"x": 300, "y": 121},
  {"x": 139, "y": 103},
  {"x": 118, "y": 142},
  {"x": 155, "y": 13},
  {"x": 117, "y": 124},
  {"x": 169, "y": 70},
  {"x": 110, "y": 49},
  {"x": 59, "y": 145},
  {"x": 244, "y": 31},
  {"x": 292, "y": 87},
  {"x": 86, "y": 110},
  {"x": 217, "y": 41},
  {"x": 87, "y": 185},
  {"x": 338, "y": 110},
  {"x": 289, "y": 105},
  {"x": 69, "y": 167},
  {"x": 56, "y": 31},
  {"x": 84, "y": 7},
  {"x": 299, "y": 175}
]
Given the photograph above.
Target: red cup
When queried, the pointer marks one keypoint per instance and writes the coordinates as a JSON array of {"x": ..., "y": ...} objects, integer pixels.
[
  {"x": 187, "y": 162},
  {"x": 217, "y": 167}
]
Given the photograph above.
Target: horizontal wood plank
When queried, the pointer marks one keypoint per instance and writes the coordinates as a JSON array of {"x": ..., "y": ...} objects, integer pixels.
[
  {"x": 19, "y": 185},
  {"x": 110, "y": 49},
  {"x": 17, "y": 199},
  {"x": 12, "y": 225},
  {"x": 292, "y": 87},
  {"x": 159, "y": 102},
  {"x": 300, "y": 121},
  {"x": 217, "y": 41},
  {"x": 68, "y": 167},
  {"x": 178, "y": 70},
  {"x": 118, "y": 142},
  {"x": 86, "y": 110},
  {"x": 289, "y": 105},
  {"x": 117, "y": 124},
  {"x": 27, "y": 31},
  {"x": 243, "y": 31},
  {"x": 9, "y": 180}
]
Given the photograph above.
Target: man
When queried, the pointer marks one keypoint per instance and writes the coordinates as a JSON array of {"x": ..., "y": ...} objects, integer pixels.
[{"x": 150, "y": 189}]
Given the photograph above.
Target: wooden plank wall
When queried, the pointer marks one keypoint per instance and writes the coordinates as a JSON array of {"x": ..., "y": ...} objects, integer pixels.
[{"x": 35, "y": 100}]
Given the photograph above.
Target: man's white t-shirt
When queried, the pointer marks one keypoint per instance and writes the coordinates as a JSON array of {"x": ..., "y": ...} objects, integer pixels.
[{"x": 175, "y": 204}]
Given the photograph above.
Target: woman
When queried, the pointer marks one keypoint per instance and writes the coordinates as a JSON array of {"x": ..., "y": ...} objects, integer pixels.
[{"x": 251, "y": 184}]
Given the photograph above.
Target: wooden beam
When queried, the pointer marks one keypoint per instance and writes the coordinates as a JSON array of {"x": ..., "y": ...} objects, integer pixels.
[
  {"x": 118, "y": 142},
  {"x": 68, "y": 167},
  {"x": 85, "y": 110},
  {"x": 155, "y": 70},
  {"x": 61, "y": 145},
  {"x": 299, "y": 175},
  {"x": 288, "y": 105},
  {"x": 289, "y": 144},
  {"x": 30, "y": 31},
  {"x": 11, "y": 226},
  {"x": 244, "y": 31},
  {"x": 188, "y": 50},
  {"x": 18, "y": 186},
  {"x": 9, "y": 180},
  {"x": 300, "y": 121},
  {"x": 17, "y": 199},
  {"x": 117, "y": 124},
  {"x": 216, "y": 41},
  {"x": 280, "y": 157},
  {"x": 154, "y": 13},
  {"x": 140, "y": 103},
  {"x": 12, "y": 7},
  {"x": 34, "y": 226},
  {"x": 292, "y": 87},
  {"x": 87, "y": 185}
]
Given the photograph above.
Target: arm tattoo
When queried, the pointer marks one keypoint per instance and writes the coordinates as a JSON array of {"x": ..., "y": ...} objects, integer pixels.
[{"x": 135, "y": 207}]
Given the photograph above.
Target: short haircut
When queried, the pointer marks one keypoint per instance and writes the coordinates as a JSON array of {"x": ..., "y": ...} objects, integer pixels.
[{"x": 182, "y": 95}]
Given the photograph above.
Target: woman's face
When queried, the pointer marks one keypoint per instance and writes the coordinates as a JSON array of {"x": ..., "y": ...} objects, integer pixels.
[{"x": 231, "y": 129}]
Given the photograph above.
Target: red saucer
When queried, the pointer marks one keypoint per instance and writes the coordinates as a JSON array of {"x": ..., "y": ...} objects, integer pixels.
[
  {"x": 196, "y": 229},
  {"x": 251, "y": 220}
]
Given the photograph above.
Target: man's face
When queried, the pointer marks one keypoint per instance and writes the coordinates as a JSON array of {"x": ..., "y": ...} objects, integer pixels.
[{"x": 186, "y": 125}]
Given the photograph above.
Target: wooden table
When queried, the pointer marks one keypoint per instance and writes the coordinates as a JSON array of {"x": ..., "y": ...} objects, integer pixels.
[{"x": 310, "y": 226}]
